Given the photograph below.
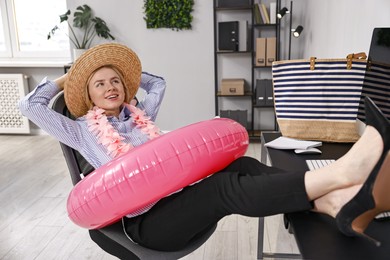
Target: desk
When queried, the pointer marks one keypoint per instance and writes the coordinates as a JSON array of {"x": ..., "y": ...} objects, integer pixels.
[{"x": 316, "y": 234}]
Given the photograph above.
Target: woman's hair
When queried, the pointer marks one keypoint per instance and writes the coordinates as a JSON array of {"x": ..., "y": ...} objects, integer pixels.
[{"x": 88, "y": 100}]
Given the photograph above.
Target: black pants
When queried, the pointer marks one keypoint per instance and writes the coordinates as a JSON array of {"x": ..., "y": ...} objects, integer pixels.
[{"x": 246, "y": 187}]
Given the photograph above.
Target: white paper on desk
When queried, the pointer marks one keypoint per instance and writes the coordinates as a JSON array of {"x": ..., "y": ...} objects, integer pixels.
[{"x": 291, "y": 143}]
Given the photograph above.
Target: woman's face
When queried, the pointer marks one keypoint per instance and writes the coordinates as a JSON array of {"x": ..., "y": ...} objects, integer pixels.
[{"x": 107, "y": 91}]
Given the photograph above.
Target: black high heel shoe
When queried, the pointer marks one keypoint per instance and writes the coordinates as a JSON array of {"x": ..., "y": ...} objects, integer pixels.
[{"x": 373, "y": 198}]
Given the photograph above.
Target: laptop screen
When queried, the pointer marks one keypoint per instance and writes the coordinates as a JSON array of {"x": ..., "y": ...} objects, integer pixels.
[{"x": 376, "y": 83}]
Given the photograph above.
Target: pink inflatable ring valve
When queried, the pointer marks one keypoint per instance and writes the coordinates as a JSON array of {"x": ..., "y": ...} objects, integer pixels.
[{"x": 154, "y": 170}]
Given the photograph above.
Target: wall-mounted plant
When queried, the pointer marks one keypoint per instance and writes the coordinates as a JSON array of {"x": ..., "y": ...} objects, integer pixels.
[{"x": 174, "y": 14}]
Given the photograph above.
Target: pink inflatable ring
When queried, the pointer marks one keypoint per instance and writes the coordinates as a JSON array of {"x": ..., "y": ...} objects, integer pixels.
[{"x": 154, "y": 170}]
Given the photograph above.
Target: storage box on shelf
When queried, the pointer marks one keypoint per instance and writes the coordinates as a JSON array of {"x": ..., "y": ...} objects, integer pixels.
[{"x": 233, "y": 87}]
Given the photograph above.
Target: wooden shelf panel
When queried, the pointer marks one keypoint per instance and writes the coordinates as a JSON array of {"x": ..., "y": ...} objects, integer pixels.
[{"x": 246, "y": 94}]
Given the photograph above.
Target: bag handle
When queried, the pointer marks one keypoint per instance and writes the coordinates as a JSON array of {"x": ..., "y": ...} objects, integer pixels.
[
  {"x": 359, "y": 56},
  {"x": 313, "y": 63},
  {"x": 350, "y": 57}
]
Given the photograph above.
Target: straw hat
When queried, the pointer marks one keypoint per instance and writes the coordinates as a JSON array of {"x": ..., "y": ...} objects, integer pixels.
[{"x": 121, "y": 57}]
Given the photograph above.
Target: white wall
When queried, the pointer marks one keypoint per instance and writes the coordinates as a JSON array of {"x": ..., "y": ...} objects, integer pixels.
[
  {"x": 184, "y": 58},
  {"x": 335, "y": 28}
]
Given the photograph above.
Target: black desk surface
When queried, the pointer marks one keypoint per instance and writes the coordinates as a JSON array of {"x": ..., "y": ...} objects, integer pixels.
[{"x": 316, "y": 234}]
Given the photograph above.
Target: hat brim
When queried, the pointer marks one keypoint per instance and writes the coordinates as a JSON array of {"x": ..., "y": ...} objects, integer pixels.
[{"x": 120, "y": 56}]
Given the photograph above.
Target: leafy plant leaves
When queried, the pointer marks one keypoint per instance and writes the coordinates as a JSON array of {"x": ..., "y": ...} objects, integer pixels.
[
  {"x": 90, "y": 25},
  {"x": 174, "y": 14}
]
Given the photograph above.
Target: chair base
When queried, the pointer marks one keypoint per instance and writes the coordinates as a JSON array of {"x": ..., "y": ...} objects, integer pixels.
[
  {"x": 112, "y": 247},
  {"x": 114, "y": 241}
]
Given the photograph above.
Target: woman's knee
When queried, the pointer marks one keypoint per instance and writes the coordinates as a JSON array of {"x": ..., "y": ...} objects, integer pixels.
[{"x": 242, "y": 163}]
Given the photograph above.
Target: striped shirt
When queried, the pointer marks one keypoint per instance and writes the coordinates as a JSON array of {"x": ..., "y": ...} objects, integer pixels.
[{"x": 75, "y": 133}]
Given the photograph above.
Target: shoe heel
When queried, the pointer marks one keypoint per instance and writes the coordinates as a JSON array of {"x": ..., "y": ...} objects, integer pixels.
[{"x": 370, "y": 239}]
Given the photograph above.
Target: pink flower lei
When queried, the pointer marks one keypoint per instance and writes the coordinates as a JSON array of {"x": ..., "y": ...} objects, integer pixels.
[{"x": 109, "y": 137}]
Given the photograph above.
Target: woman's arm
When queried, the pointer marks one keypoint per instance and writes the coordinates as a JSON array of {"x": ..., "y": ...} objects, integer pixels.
[
  {"x": 61, "y": 81},
  {"x": 154, "y": 87},
  {"x": 35, "y": 107}
]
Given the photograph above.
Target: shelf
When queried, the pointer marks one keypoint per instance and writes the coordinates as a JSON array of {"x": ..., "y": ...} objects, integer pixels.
[
  {"x": 233, "y": 52},
  {"x": 254, "y": 134},
  {"x": 264, "y": 25},
  {"x": 225, "y": 61},
  {"x": 239, "y": 8},
  {"x": 262, "y": 67},
  {"x": 257, "y": 106},
  {"x": 246, "y": 94}
]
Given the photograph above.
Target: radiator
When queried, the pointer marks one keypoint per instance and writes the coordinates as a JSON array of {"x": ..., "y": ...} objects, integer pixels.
[{"x": 12, "y": 88}]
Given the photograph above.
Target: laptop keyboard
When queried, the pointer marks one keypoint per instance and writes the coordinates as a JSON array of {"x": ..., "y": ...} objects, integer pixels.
[{"x": 315, "y": 164}]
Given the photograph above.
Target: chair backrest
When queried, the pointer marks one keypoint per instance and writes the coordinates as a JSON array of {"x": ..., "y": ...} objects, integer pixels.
[{"x": 77, "y": 165}]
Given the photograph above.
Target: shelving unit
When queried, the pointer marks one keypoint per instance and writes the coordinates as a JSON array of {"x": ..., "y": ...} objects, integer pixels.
[{"x": 241, "y": 64}]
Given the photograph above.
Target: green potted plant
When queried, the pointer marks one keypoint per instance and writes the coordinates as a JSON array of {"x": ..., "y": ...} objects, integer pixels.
[{"x": 90, "y": 25}]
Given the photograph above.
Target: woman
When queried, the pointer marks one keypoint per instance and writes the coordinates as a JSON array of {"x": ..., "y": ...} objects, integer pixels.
[{"x": 97, "y": 90}]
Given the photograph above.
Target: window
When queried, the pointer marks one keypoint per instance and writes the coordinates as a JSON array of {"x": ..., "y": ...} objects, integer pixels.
[{"x": 24, "y": 25}]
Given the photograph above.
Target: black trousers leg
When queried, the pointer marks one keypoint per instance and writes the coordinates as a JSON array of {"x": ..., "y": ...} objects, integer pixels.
[{"x": 245, "y": 187}]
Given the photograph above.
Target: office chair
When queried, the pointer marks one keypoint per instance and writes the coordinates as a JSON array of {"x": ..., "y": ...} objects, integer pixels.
[{"x": 112, "y": 238}]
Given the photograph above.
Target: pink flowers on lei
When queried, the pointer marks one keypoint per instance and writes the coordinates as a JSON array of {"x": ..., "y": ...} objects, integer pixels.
[{"x": 109, "y": 137}]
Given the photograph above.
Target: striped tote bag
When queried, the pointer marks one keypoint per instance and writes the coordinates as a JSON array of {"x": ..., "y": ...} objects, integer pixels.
[{"x": 318, "y": 99}]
